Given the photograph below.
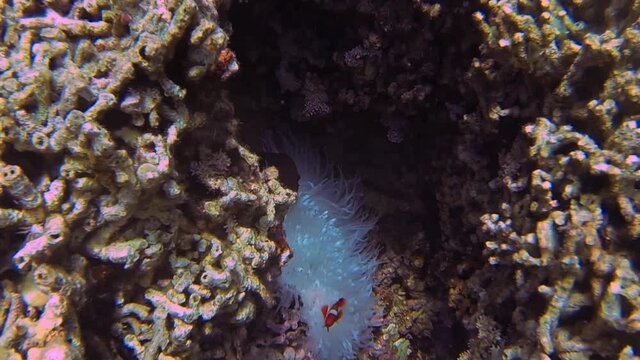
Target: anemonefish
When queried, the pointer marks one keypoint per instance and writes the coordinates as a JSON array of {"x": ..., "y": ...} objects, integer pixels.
[{"x": 333, "y": 314}]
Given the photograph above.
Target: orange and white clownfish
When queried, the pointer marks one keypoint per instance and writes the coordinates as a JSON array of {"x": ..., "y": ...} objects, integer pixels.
[{"x": 333, "y": 314}]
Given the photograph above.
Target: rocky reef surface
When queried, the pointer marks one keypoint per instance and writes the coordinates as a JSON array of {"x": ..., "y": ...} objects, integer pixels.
[{"x": 498, "y": 141}]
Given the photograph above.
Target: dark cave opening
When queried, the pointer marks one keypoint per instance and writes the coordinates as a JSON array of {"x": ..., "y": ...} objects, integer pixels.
[{"x": 357, "y": 139}]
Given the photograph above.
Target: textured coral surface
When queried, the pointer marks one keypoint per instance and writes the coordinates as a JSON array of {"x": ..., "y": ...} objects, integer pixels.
[
  {"x": 498, "y": 140},
  {"x": 124, "y": 239}
]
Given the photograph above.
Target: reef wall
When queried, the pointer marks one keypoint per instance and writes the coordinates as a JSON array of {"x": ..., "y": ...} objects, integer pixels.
[
  {"x": 498, "y": 141},
  {"x": 120, "y": 237}
]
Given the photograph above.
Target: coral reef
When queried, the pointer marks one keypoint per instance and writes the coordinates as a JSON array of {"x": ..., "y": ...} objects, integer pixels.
[
  {"x": 94, "y": 109},
  {"x": 568, "y": 209},
  {"x": 524, "y": 152},
  {"x": 38, "y": 314},
  {"x": 407, "y": 308},
  {"x": 497, "y": 139}
]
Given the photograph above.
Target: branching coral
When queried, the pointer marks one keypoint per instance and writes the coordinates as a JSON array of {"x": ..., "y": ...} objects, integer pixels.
[
  {"x": 94, "y": 102},
  {"x": 568, "y": 210},
  {"x": 566, "y": 237},
  {"x": 520, "y": 159}
]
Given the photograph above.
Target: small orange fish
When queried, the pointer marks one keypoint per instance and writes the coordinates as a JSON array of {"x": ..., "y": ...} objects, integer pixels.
[{"x": 331, "y": 316}]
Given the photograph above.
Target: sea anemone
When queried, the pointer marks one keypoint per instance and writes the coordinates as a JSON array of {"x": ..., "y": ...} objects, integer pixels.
[{"x": 326, "y": 230}]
